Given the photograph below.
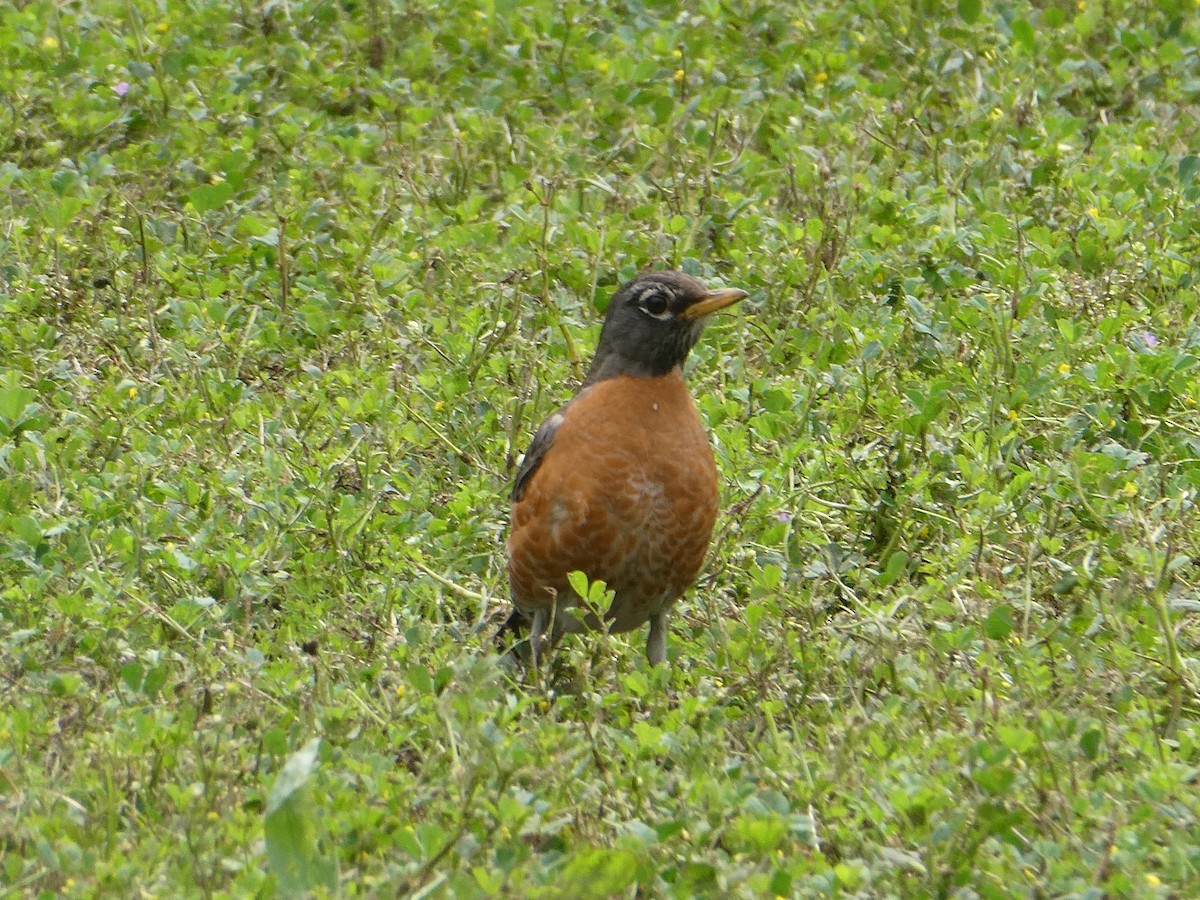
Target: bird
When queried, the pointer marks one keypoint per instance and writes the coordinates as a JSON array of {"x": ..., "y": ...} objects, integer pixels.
[{"x": 620, "y": 483}]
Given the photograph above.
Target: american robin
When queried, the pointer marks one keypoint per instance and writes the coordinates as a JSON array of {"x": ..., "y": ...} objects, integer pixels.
[{"x": 620, "y": 483}]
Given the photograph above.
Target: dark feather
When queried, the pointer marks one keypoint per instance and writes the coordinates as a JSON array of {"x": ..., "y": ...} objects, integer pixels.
[{"x": 542, "y": 440}]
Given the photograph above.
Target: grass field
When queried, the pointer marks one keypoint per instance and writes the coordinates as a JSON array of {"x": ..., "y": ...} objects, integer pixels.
[{"x": 285, "y": 288}]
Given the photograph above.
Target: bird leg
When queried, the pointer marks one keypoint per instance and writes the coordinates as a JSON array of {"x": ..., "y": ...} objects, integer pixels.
[
  {"x": 537, "y": 636},
  {"x": 656, "y": 644}
]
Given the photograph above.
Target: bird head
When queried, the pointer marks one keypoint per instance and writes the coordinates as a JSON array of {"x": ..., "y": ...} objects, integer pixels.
[{"x": 652, "y": 324}]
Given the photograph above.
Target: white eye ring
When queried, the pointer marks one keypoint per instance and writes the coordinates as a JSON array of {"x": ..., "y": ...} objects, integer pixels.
[{"x": 653, "y": 297}]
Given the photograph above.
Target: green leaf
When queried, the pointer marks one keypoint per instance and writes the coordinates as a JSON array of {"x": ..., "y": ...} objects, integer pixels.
[
  {"x": 1017, "y": 739},
  {"x": 597, "y": 872},
  {"x": 131, "y": 674},
  {"x": 999, "y": 625},
  {"x": 255, "y": 226},
  {"x": 1089, "y": 742},
  {"x": 61, "y": 215},
  {"x": 969, "y": 10},
  {"x": 25, "y": 528},
  {"x": 65, "y": 684},
  {"x": 649, "y": 737},
  {"x": 1066, "y": 583},
  {"x": 848, "y": 875},
  {"x": 275, "y": 741},
  {"x": 155, "y": 679},
  {"x": 670, "y": 828},
  {"x": 598, "y": 594},
  {"x": 294, "y": 776},
  {"x": 995, "y": 780},
  {"x": 18, "y": 406},
  {"x": 759, "y": 835},
  {"x": 698, "y": 876},
  {"x": 769, "y": 577},
  {"x": 637, "y": 684},
  {"x": 781, "y": 883},
  {"x": 1188, "y": 166},
  {"x": 290, "y": 828},
  {"x": 997, "y": 819},
  {"x": 208, "y": 197},
  {"x": 419, "y": 677},
  {"x": 579, "y": 583},
  {"x": 775, "y": 400},
  {"x": 63, "y": 181},
  {"x": 894, "y": 569},
  {"x": 1023, "y": 34}
]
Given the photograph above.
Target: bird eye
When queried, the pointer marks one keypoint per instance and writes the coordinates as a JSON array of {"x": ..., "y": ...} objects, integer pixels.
[{"x": 654, "y": 303}]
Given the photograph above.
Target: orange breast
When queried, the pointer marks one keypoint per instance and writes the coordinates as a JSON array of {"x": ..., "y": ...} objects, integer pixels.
[{"x": 627, "y": 493}]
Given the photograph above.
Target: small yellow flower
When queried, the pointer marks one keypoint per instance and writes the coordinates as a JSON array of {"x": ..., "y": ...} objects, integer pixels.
[
  {"x": 413, "y": 254},
  {"x": 603, "y": 65},
  {"x": 162, "y": 27},
  {"x": 1064, "y": 369},
  {"x": 821, "y": 77},
  {"x": 679, "y": 74},
  {"x": 132, "y": 393},
  {"x": 49, "y": 42},
  {"x": 1130, "y": 489},
  {"x": 1093, "y": 212},
  {"x": 996, "y": 114},
  {"x": 1012, "y": 415},
  {"x": 400, "y": 689},
  {"x": 1081, "y": 6},
  {"x": 1153, "y": 880},
  {"x": 677, "y": 53}
]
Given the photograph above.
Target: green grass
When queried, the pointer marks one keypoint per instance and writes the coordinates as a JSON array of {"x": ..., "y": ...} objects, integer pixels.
[{"x": 285, "y": 288}]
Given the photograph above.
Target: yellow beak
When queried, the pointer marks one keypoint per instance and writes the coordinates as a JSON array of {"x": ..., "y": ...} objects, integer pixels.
[{"x": 713, "y": 301}]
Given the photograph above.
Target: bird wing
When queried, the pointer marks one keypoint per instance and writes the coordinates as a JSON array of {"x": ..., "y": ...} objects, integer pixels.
[{"x": 542, "y": 439}]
